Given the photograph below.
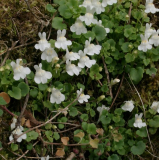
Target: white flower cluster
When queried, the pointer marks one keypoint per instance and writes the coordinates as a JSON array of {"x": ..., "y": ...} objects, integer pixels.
[
  {"x": 82, "y": 97},
  {"x": 150, "y": 7},
  {"x": 150, "y": 38},
  {"x": 17, "y": 131},
  {"x": 92, "y": 7},
  {"x": 155, "y": 106}
]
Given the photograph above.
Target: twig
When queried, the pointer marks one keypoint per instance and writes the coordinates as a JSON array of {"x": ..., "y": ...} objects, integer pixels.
[
  {"x": 24, "y": 107},
  {"x": 144, "y": 112},
  {"x": 107, "y": 73},
  {"x": 68, "y": 129},
  {"x": 3, "y": 157},
  {"x": 23, "y": 155},
  {"x": 117, "y": 91},
  {"x": 5, "y": 109},
  {"x": 59, "y": 144},
  {"x": 8, "y": 52},
  {"x": 66, "y": 123},
  {"x": 43, "y": 124},
  {"x": 130, "y": 12},
  {"x": 30, "y": 9},
  {"x": 151, "y": 154}
]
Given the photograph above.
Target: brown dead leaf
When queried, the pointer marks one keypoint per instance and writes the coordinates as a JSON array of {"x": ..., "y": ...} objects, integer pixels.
[
  {"x": 5, "y": 97},
  {"x": 94, "y": 142},
  {"x": 65, "y": 140},
  {"x": 22, "y": 121},
  {"x": 33, "y": 121},
  {"x": 27, "y": 124},
  {"x": 100, "y": 131},
  {"x": 60, "y": 152},
  {"x": 80, "y": 135}
]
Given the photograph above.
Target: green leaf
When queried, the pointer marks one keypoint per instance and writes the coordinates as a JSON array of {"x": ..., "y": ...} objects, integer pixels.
[
  {"x": 136, "y": 74},
  {"x": 50, "y": 8},
  {"x": 105, "y": 88},
  {"x": 49, "y": 135},
  {"x": 84, "y": 117},
  {"x": 2, "y": 101},
  {"x": 15, "y": 92},
  {"x": 32, "y": 135},
  {"x": 73, "y": 111},
  {"x": 14, "y": 147},
  {"x": 65, "y": 11},
  {"x": 139, "y": 148},
  {"x": 108, "y": 60},
  {"x": 125, "y": 47},
  {"x": 146, "y": 61},
  {"x": 57, "y": 23},
  {"x": 137, "y": 14},
  {"x": 34, "y": 92},
  {"x": 56, "y": 135},
  {"x": 0, "y": 144},
  {"x": 105, "y": 120},
  {"x": 84, "y": 125},
  {"x": 42, "y": 87},
  {"x": 113, "y": 157},
  {"x": 118, "y": 111},
  {"x": 29, "y": 146},
  {"x": 151, "y": 71},
  {"x": 89, "y": 34},
  {"x": 142, "y": 132},
  {"x": 91, "y": 128},
  {"x": 129, "y": 57},
  {"x": 52, "y": 42},
  {"x": 1, "y": 112},
  {"x": 48, "y": 126},
  {"x": 154, "y": 122},
  {"x": 67, "y": 87},
  {"x": 24, "y": 88},
  {"x": 99, "y": 32}
]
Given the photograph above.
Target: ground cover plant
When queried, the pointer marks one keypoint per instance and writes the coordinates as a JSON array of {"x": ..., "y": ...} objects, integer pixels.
[{"x": 79, "y": 80}]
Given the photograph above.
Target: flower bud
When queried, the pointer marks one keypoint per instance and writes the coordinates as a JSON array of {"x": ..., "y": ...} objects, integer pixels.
[
  {"x": 130, "y": 46},
  {"x": 100, "y": 69},
  {"x": 114, "y": 81},
  {"x": 49, "y": 89},
  {"x": 76, "y": 150},
  {"x": 57, "y": 66},
  {"x": 110, "y": 127},
  {"x": 1, "y": 69},
  {"x": 55, "y": 60},
  {"x": 7, "y": 67},
  {"x": 101, "y": 98},
  {"x": 127, "y": 17},
  {"x": 54, "y": 126}
]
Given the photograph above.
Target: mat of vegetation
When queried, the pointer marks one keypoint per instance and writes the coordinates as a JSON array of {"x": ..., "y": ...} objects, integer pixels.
[{"x": 79, "y": 79}]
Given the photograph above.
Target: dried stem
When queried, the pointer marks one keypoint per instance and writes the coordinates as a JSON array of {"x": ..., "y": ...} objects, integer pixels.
[
  {"x": 144, "y": 113},
  {"x": 108, "y": 79}
]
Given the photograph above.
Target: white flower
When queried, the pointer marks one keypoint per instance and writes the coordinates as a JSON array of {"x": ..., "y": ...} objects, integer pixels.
[
  {"x": 150, "y": 7},
  {"x": 71, "y": 56},
  {"x": 45, "y": 158},
  {"x": 88, "y": 18},
  {"x": 56, "y": 96},
  {"x": 98, "y": 6},
  {"x": 145, "y": 45},
  {"x": 82, "y": 98},
  {"x": 91, "y": 49},
  {"x": 85, "y": 61},
  {"x": 72, "y": 69},
  {"x": 128, "y": 106},
  {"x": 99, "y": 23},
  {"x": 18, "y": 131},
  {"x": 48, "y": 54},
  {"x": 87, "y": 3},
  {"x": 78, "y": 27},
  {"x": 108, "y": 2},
  {"x": 138, "y": 121},
  {"x": 41, "y": 76},
  {"x": 100, "y": 109},
  {"x": 148, "y": 30},
  {"x": 155, "y": 106},
  {"x": 14, "y": 121},
  {"x": 154, "y": 40},
  {"x": 43, "y": 43},
  {"x": 115, "y": 81},
  {"x": 62, "y": 42},
  {"x": 19, "y": 70}
]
